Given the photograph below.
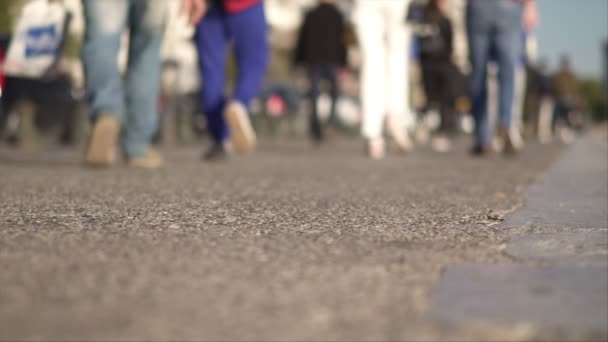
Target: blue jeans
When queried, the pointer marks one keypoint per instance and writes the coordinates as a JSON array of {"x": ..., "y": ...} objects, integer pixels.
[
  {"x": 563, "y": 107},
  {"x": 494, "y": 27},
  {"x": 132, "y": 100},
  {"x": 248, "y": 32}
]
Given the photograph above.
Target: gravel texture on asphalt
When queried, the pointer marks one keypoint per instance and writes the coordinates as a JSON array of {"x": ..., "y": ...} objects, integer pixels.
[{"x": 295, "y": 243}]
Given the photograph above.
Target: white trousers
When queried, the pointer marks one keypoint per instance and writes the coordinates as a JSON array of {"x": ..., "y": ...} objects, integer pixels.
[{"x": 385, "y": 41}]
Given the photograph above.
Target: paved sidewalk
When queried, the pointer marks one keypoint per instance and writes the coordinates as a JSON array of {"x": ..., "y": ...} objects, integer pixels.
[
  {"x": 295, "y": 243},
  {"x": 556, "y": 287}
]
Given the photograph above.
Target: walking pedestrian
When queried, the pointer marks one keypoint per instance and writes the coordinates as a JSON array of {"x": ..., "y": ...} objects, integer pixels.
[
  {"x": 435, "y": 39},
  {"x": 528, "y": 58},
  {"x": 384, "y": 39},
  {"x": 538, "y": 108},
  {"x": 494, "y": 26},
  {"x": 241, "y": 22},
  {"x": 129, "y": 105},
  {"x": 566, "y": 89},
  {"x": 567, "y": 116},
  {"x": 321, "y": 48}
]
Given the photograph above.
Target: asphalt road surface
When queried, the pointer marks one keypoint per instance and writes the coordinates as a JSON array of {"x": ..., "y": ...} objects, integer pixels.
[{"x": 295, "y": 243}]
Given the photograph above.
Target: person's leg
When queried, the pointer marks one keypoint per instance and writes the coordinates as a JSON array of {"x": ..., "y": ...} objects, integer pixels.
[
  {"x": 315, "y": 124},
  {"x": 506, "y": 91},
  {"x": 558, "y": 108},
  {"x": 334, "y": 92},
  {"x": 517, "y": 122},
  {"x": 398, "y": 38},
  {"x": 142, "y": 79},
  {"x": 479, "y": 46},
  {"x": 565, "y": 106},
  {"x": 410, "y": 114},
  {"x": 249, "y": 31},
  {"x": 105, "y": 21},
  {"x": 370, "y": 32},
  {"x": 545, "y": 118},
  {"x": 492, "y": 97},
  {"x": 440, "y": 142},
  {"x": 433, "y": 86},
  {"x": 422, "y": 132},
  {"x": 446, "y": 100},
  {"x": 509, "y": 49},
  {"x": 212, "y": 44},
  {"x": 448, "y": 125}
]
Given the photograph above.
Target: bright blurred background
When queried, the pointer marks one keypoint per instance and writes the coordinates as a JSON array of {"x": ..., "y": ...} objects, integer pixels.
[{"x": 578, "y": 29}]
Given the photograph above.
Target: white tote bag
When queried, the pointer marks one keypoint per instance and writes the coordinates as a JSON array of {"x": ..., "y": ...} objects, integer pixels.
[{"x": 36, "y": 41}]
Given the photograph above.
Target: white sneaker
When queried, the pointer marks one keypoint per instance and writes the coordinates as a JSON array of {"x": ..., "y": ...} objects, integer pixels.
[
  {"x": 376, "y": 149},
  {"x": 401, "y": 139},
  {"x": 517, "y": 139},
  {"x": 422, "y": 134},
  {"x": 242, "y": 134},
  {"x": 441, "y": 144},
  {"x": 567, "y": 135}
]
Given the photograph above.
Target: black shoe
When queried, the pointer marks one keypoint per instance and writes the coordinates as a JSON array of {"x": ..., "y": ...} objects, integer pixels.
[
  {"x": 316, "y": 140},
  {"x": 316, "y": 134},
  {"x": 217, "y": 152}
]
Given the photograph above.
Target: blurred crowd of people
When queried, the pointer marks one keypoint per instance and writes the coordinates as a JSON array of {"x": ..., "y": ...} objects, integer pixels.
[{"x": 507, "y": 93}]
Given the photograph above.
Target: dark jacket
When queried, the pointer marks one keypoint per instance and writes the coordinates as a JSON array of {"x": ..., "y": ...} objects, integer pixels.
[
  {"x": 321, "y": 40},
  {"x": 436, "y": 40},
  {"x": 442, "y": 80},
  {"x": 565, "y": 85}
]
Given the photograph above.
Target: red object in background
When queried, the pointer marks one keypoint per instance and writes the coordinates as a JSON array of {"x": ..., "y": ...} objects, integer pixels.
[
  {"x": 276, "y": 106},
  {"x": 234, "y": 6},
  {"x": 1, "y": 74}
]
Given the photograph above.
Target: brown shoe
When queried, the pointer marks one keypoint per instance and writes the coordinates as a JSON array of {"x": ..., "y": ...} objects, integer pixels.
[
  {"x": 241, "y": 132},
  {"x": 151, "y": 159},
  {"x": 508, "y": 148},
  {"x": 103, "y": 142},
  {"x": 482, "y": 151},
  {"x": 376, "y": 149}
]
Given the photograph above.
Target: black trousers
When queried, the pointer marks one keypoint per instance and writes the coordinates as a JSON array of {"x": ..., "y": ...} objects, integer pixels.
[
  {"x": 439, "y": 89},
  {"x": 318, "y": 74}
]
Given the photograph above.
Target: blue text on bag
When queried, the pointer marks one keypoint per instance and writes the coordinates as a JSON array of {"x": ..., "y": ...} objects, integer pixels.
[{"x": 41, "y": 41}]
